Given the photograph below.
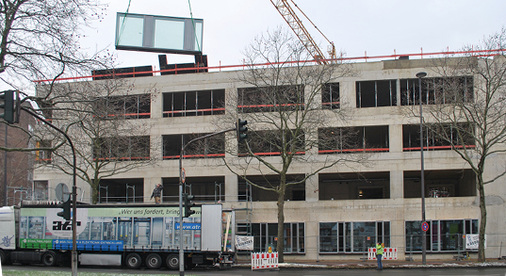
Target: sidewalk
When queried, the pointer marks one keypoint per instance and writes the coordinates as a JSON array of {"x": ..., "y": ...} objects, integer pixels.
[{"x": 387, "y": 264}]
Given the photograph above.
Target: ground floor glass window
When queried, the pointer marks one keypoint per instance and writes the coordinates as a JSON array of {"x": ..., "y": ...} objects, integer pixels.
[
  {"x": 442, "y": 236},
  {"x": 352, "y": 237},
  {"x": 266, "y": 236}
]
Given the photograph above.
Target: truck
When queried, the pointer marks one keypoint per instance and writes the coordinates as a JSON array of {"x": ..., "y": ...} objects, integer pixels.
[{"x": 128, "y": 235}]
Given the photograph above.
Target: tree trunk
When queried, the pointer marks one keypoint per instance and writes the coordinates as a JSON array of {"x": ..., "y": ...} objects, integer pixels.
[
  {"x": 280, "y": 246},
  {"x": 94, "y": 192},
  {"x": 483, "y": 220}
]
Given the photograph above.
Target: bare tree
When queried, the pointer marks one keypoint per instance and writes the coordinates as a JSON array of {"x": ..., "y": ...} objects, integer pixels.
[
  {"x": 39, "y": 37},
  {"x": 283, "y": 105},
  {"x": 99, "y": 117},
  {"x": 469, "y": 113}
]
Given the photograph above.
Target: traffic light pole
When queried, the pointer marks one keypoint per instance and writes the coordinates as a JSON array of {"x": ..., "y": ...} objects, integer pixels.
[
  {"x": 74, "y": 189},
  {"x": 183, "y": 147}
]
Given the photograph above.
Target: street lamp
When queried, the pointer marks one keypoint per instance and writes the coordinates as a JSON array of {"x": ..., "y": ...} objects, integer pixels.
[{"x": 420, "y": 75}]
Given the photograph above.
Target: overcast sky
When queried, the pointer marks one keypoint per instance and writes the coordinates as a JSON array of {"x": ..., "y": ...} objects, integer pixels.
[{"x": 377, "y": 27}]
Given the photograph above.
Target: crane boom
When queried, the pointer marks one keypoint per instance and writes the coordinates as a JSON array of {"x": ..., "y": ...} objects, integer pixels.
[{"x": 301, "y": 32}]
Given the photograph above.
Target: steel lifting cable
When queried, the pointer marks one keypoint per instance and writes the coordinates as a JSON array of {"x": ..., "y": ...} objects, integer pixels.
[
  {"x": 123, "y": 22},
  {"x": 193, "y": 23}
]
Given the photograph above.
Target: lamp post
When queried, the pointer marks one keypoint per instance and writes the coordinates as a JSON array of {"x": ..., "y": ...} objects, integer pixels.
[{"x": 420, "y": 75}]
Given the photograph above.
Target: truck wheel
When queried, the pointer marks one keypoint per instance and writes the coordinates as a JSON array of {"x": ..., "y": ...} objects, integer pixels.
[
  {"x": 153, "y": 261},
  {"x": 173, "y": 261},
  {"x": 4, "y": 258},
  {"x": 133, "y": 260},
  {"x": 49, "y": 258}
]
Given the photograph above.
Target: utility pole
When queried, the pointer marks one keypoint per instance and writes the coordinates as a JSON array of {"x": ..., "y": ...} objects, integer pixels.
[
  {"x": 74, "y": 189},
  {"x": 183, "y": 147}
]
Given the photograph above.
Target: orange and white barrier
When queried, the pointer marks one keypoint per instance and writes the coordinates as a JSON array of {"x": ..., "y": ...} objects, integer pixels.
[
  {"x": 264, "y": 260},
  {"x": 389, "y": 253}
]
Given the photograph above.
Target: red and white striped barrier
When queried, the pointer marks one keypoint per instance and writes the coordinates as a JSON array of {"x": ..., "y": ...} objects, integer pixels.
[
  {"x": 389, "y": 253},
  {"x": 264, "y": 260}
]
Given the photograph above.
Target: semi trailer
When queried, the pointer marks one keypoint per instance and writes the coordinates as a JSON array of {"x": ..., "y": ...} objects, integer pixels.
[{"x": 117, "y": 234}]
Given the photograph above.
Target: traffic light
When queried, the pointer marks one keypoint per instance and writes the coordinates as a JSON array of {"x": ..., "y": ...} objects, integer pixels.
[
  {"x": 65, "y": 213},
  {"x": 242, "y": 129},
  {"x": 7, "y": 104},
  {"x": 188, "y": 204}
]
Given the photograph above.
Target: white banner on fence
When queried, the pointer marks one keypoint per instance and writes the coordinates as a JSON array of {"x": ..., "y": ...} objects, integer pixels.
[
  {"x": 473, "y": 240},
  {"x": 244, "y": 243}
]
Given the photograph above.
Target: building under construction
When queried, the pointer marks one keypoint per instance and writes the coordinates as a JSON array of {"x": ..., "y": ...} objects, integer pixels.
[{"x": 373, "y": 195}]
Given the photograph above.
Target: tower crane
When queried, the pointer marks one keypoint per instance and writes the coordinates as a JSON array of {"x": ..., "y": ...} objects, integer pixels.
[{"x": 289, "y": 15}]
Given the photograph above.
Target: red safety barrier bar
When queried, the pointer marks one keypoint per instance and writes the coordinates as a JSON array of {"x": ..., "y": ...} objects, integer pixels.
[
  {"x": 195, "y": 110},
  {"x": 121, "y": 158},
  {"x": 331, "y": 103},
  {"x": 274, "y": 153},
  {"x": 268, "y": 105},
  {"x": 476, "y": 53},
  {"x": 355, "y": 150},
  {"x": 439, "y": 148},
  {"x": 194, "y": 156},
  {"x": 125, "y": 115}
]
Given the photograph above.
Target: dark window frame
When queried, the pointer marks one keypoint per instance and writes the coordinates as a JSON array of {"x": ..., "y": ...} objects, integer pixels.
[
  {"x": 331, "y": 96},
  {"x": 435, "y": 90},
  {"x": 136, "y": 106},
  {"x": 344, "y": 139},
  {"x": 112, "y": 148},
  {"x": 266, "y": 233},
  {"x": 270, "y": 99},
  {"x": 373, "y": 93},
  {"x": 213, "y": 147},
  {"x": 194, "y": 103}
]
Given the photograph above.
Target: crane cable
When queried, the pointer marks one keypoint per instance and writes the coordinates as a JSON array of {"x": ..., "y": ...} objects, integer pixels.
[
  {"x": 194, "y": 29},
  {"x": 123, "y": 23}
]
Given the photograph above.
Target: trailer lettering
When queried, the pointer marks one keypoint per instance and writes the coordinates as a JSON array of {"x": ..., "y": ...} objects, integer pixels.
[
  {"x": 125, "y": 212},
  {"x": 64, "y": 226}
]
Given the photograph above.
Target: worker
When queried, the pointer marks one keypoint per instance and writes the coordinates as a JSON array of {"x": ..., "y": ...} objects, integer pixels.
[
  {"x": 379, "y": 254},
  {"x": 157, "y": 193}
]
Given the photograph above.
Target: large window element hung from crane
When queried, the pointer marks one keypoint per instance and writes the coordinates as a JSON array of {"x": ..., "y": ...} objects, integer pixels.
[
  {"x": 271, "y": 98},
  {"x": 162, "y": 34},
  {"x": 194, "y": 103},
  {"x": 376, "y": 93}
]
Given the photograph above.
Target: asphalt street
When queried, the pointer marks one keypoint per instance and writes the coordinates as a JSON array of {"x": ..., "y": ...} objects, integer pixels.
[{"x": 486, "y": 271}]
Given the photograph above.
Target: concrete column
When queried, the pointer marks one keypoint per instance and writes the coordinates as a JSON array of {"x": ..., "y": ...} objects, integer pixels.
[
  {"x": 395, "y": 137},
  {"x": 347, "y": 94},
  {"x": 231, "y": 188},
  {"x": 396, "y": 184},
  {"x": 312, "y": 192},
  {"x": 156, "y": 104}
]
